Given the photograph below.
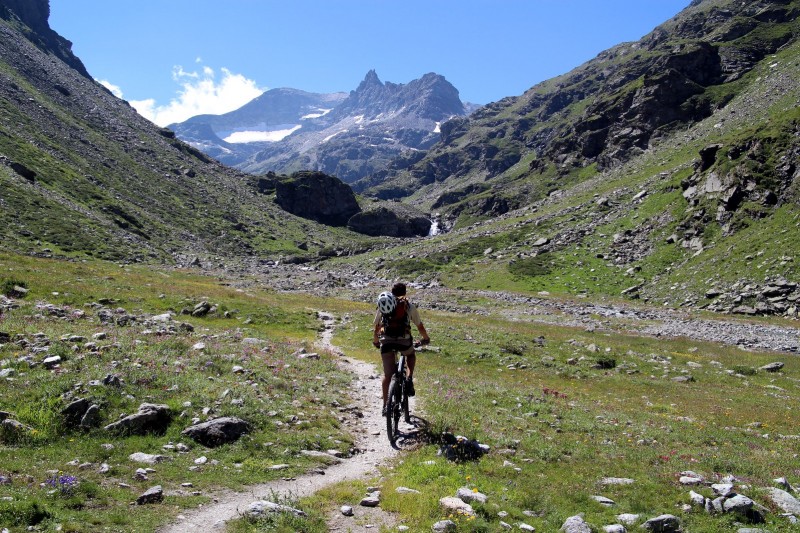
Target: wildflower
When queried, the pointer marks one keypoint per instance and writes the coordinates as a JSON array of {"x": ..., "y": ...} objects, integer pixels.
[{"x": 66, "y": 484}]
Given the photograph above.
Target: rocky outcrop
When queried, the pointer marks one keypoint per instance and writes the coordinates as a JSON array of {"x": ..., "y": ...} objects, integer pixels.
[
  {"x": 317, "y": 196},
  {"x": 151, "y": 418},
  {"x": 390, "y": 219},
  {"x": 218, "y": 431},
  {"x": 35, "y": 14}
]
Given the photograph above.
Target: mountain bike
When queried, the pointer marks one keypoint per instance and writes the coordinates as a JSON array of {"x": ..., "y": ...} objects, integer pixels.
[{"x": 397, "y": 398}]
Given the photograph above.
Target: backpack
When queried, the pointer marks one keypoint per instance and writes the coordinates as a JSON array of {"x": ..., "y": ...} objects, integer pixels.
[{"x": 398, "y": 323}]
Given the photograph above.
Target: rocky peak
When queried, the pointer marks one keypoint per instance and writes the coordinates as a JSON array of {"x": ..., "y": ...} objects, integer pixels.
[
  {"x": 371, "y": 79},
  {"x": 430, "y": 97},
  {"x": 35, "y": 14}
]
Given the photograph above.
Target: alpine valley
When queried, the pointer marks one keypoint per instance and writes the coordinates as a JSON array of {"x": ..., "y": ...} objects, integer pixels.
[{"x": 607, "y": 265}]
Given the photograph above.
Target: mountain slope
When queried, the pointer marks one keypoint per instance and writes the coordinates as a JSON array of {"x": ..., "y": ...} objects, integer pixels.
[
  {"x": 596, "y": 117},
  {"x": 349, "y": 136},
  {"x": 82, "y": 172},
  {"x": 705, "y": 214}
]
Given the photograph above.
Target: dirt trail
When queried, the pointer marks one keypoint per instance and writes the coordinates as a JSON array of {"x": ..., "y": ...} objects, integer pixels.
[{"x": 370, "y": 438}]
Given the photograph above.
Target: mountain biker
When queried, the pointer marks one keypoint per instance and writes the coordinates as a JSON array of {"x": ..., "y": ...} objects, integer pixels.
[{"x": 392, "y": 332}]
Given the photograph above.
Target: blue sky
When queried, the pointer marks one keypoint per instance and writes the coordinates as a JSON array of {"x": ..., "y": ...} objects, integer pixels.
[{"x": 173, "y": 59}]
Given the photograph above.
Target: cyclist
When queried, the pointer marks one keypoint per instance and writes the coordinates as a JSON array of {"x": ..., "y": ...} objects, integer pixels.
[{"x": 392, "y": 332}]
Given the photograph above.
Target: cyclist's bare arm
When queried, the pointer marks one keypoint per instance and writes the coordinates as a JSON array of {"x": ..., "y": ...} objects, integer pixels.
[
  {"x": 376, "y": 336},
  {"x": 425, "y": 338}
]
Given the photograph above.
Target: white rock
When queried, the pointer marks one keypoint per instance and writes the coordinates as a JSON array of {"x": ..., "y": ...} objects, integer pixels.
[
  {"x": 456, "y": 505},
  {"x": 147, "y": 458},
  {"x": 616, "y": 481},
  {"x": 468, "y": 495},
  {"x": 627, "y": 518},
  {"x": 262, "y": 507}
]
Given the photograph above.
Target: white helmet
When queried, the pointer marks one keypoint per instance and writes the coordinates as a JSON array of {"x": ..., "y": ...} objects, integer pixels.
[{"x": 387, "y": 303}]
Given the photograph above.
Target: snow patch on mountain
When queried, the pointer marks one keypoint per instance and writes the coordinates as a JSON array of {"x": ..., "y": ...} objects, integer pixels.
[
  {"x": 260, "y": 136},
  {"x": 319, "y": 113}
]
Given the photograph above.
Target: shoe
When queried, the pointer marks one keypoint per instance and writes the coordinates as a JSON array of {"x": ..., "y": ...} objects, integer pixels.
[{"x": 410, "y": 387}]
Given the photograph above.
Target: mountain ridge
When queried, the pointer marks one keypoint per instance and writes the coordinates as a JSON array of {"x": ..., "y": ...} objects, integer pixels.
[
  {"x": 358, "y": 134},
  {"x": 607, "y": 110}
]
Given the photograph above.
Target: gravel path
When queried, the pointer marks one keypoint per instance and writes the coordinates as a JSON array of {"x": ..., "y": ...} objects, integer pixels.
[{"x": 370, "y": 440}]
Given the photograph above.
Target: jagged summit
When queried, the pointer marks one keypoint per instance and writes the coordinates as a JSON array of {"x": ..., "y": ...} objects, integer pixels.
[
  {"x": 349, "y": 135},
  {"x": 430, "y": 97}
]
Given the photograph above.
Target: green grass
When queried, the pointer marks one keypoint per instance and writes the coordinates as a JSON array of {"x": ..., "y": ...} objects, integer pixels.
[
  {"x": 287, "y": 400},
  {"x": 564, "y": 422}
]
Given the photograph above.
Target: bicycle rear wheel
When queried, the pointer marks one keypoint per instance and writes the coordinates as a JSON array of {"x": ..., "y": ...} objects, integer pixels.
[
  {"x": 404, "y": 406},
  {"x": 392, "y": 410}
]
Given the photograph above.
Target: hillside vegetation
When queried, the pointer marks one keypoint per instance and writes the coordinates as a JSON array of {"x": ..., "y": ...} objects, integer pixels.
[{"x": 81, "y": 173}]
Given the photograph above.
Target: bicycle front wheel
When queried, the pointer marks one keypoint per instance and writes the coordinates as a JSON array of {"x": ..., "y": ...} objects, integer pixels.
[{"x": 392, "y": 410}]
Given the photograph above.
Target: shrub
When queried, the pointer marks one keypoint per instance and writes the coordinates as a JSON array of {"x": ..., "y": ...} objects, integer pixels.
[
  {"x": 606, "y": 362},
  {"x": 7, "y": 287},
  {"x": 744, "y": 370},
  {"x": 18, "y": 513}
]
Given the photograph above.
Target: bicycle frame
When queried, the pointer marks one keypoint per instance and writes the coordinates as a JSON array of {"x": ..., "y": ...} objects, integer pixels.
[{"x": 397, "y": 400}]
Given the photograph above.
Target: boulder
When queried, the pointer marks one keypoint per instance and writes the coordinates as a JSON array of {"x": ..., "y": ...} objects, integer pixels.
[
  {"x": 74, "y": 412},
  {"x": 737, "y": 504},
  {"x": 444, "y": 526},
  {"x": 317, "y": 196},
  {"x": 666, "y": 523},
  {"x": 262, "y": 507},
  {"x": 772, "y": 367},
  {"x": 457, "y": 506},
  {"x": 151, "y": 418},
  {"x": 218, "y": 431},
  {"x": 91, "y": 418},
  {"x": 576, "y": 524},
  {"x": 784, "y": 500},
  {"x": 468, "y": 495},
  {"x": 151, "y": 495},
  {"x": 390, "y": 219}
]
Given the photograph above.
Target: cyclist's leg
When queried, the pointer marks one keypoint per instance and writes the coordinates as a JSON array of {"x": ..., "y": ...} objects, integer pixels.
[
  {"x": 411, "y": 359},
  {"x": 388, "y": 359}
]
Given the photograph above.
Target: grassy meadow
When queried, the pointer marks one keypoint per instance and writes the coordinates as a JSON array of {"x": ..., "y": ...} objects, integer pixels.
[
  {"x": 564, "y": 408},
  {"x": 289, "y": 401},
  {"x": 561, "y": 408}
]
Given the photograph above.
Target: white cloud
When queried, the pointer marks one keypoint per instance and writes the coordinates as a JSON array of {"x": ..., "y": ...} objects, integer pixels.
[
  {"x": 115, "y": 89},
  {"x": 199, "y": 94}
]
